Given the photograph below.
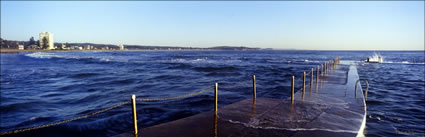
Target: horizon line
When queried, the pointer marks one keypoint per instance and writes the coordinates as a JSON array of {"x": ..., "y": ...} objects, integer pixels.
[{"x": 243, "y": 46}]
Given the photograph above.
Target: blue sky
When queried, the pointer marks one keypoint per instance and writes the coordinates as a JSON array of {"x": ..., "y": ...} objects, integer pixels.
[{"x": 317, "y": 25}]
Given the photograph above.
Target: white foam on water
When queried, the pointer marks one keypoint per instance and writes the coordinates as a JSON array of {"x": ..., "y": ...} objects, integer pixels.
[
  {"x": 33, "y": 118},
  {"x": 63, "y": 55},
  {"x": 43, "y": 55},
  {"x": 292, "y": 129},
  {"x": 402, "y": 62}
]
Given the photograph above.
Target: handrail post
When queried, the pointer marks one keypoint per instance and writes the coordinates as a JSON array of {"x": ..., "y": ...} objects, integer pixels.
[
  {"x": 326, "y": 69},
  {"x": 330, "y": 65},
  {"x": 216, "y": 98},
  {"x": 367, "y": 88},
  {"x": 317, "y": 74},
  {"x": 133, "y": 101},
  {"x": 336, "y": 62},
  {"x": 321, "y": 69},
  {"x": 311, "y": 78},
  {"x": 339, "y": 59},
  {"x": 254, "y": 88},
  {"x": 303, "y": 83},
  {"x": 292, "y": 89},
  {"x": 327, "y": 66}
]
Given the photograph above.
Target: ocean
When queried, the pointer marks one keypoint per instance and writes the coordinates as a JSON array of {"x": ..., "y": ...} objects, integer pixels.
[{"x": 43, "y": 87}]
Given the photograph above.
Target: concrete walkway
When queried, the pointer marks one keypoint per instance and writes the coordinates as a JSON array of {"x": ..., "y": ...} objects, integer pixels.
[{"x": 328, "y": 109}]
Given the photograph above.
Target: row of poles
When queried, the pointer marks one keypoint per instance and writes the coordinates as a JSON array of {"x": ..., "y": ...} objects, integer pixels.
[
  {"x": 320, "y": 71},
  {"x": 325, "y": 68}
]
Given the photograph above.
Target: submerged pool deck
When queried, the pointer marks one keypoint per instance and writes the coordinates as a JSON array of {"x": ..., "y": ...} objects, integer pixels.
[{"x": 328, "y": 109}]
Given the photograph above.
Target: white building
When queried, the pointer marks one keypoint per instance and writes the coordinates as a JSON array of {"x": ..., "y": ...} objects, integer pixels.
[
  {"x": 21, "y": 47},
  {"x": 48, "y": 38},
  {"x": 121, "y": 46}
]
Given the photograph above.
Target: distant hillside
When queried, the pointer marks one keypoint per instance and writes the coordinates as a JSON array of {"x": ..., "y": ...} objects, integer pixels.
[
  {"x": 13, "y": 44},
  {"x": 233, "y": 48}
]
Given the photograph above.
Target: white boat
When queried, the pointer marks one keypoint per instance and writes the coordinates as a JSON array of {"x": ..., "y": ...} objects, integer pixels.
[{"x": 375, "y": 59}]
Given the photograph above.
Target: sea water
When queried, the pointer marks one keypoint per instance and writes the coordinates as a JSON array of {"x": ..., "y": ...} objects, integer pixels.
[{"x": 43, "y": 87}]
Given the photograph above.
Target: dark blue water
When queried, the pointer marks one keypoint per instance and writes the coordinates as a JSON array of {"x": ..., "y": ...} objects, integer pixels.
[{"x": 40, "y": 88}]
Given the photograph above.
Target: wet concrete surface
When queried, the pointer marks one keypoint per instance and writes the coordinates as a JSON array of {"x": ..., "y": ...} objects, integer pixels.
[{"x": 330, "y": 108}]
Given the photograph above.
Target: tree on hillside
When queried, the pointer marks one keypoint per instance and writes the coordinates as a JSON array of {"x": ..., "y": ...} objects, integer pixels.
[
  {"x": 32, "y": 41},
  {"x": 44, "y": 46},
  {"x": 3, "y": 44}
]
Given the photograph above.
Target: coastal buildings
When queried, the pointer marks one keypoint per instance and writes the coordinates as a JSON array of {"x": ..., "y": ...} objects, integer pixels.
[
  {"x": 46, "y": 40},
  {"x": 121, "y": 46},
  {"x": 63, "y": 46},
  {"x": 21, "y": 47},
  {"x": 32, "y": 46}
]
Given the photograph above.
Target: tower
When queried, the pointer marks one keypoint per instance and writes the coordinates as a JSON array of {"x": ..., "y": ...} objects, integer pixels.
[{"x": 46, "y": 39}]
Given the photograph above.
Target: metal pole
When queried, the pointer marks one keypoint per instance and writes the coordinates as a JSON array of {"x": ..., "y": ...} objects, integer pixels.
[
  {"x": 133, "y": 100},
  {"x": 330, "y": 65},
  {"x": 321, "y": 69},
  {"x": 311, "y": 78},
  {"x": 317, "y": 74},
  {"x": 303, "y": 82},
  {"x": 292, "y": 89},
  {"x": 254, "y": 88},
  {"x": 326, "y": 67},
  {"x": 216, "y": 98},
  {"x": 367, "y": 88},
  {"x": 336, "y": 62},
  {"x": 215, "y": 125}
]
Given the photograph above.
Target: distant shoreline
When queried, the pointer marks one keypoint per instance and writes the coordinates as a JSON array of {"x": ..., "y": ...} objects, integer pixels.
[
  {"x": 12, "y": 51},
  {"x": 15, "y": 51}
]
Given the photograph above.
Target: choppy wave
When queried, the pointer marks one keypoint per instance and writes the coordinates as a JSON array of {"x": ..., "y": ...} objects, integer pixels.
[
  {"x": 250, "y": 125},
  {"x": 77, "y": 56},
  {"x": 403, "y": 62},
  {"x": 43, "y": 55}
]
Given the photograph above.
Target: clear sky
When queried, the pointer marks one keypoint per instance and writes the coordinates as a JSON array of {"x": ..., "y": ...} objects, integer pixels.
[{"x": 317, "y": 25}]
